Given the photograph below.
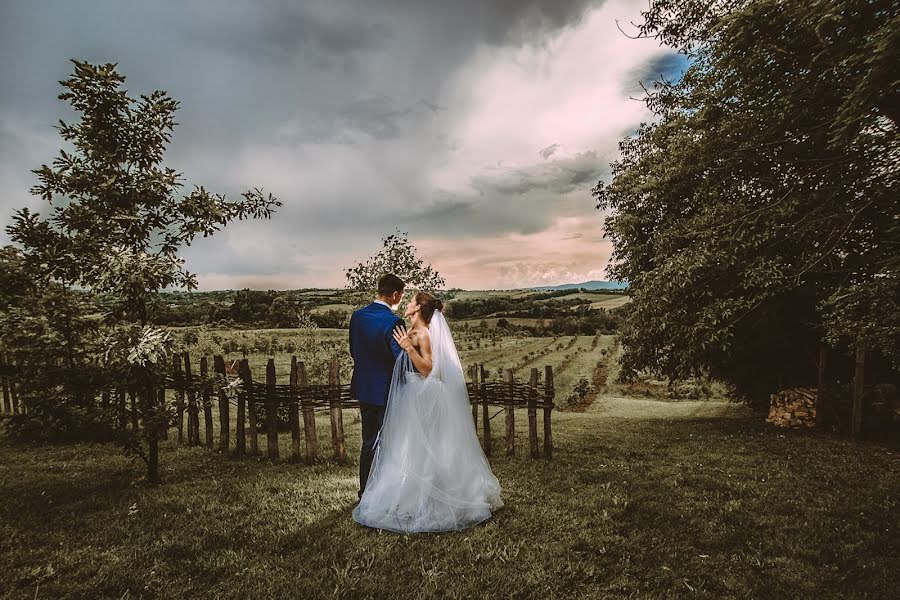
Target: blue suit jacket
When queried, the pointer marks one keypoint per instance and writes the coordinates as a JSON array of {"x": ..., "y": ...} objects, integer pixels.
[{"x": 374, "y": 351}]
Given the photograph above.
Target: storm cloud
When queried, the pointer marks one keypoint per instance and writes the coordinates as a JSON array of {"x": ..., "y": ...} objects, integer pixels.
[{"x": 468, "y": 124}]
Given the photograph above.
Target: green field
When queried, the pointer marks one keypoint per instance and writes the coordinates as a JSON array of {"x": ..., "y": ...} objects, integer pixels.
[
  {"x": 572, "y": 357},
  {"x": 611, "y": 302},
  {"x": 643, "y": 499}
]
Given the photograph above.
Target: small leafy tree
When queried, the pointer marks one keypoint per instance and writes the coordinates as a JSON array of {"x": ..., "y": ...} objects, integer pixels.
[
  {"x": 397, "y": 256},
  {"x": 117, "y": 222},
  {"x": 283, "y": 313}
]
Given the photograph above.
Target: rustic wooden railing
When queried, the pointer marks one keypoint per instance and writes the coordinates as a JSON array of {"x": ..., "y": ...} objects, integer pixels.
[{"x": 268, "y": 407}]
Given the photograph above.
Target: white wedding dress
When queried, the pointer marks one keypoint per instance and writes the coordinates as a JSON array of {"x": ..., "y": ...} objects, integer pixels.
[{"x": 429, "y": 472}]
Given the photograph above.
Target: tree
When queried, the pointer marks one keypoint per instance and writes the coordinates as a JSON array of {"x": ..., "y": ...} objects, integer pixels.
[
  {"x": 117, "y": 223},
  {"x": 283, "y": 313},
  {"x": 397, "y": 256},
  {"x": 16, "y": 284},
  {"x": 763, "y": 199},
  {"x": 252, "y": 306}
]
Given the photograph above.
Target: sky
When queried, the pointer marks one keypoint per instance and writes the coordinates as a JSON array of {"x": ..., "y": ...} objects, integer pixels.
[{"x": 477, "y": 127}]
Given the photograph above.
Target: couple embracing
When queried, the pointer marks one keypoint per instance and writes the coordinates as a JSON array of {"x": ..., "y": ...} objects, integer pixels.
[{"x": 421, "y": 466}]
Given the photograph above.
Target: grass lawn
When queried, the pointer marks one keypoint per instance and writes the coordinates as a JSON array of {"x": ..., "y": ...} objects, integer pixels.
[{"x": 643, "y": 499}]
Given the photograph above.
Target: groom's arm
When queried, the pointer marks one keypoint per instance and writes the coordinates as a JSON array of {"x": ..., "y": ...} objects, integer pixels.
[
  {"x": 392, "y": 344},
  {"x": 350, "y": 331}
]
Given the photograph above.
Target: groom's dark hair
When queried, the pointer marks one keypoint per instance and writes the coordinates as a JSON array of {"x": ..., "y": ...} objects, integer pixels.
[{"x": 390, "y": 283}]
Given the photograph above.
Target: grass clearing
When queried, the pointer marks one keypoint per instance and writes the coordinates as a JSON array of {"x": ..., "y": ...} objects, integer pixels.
[{"x": 643, "y": 499}]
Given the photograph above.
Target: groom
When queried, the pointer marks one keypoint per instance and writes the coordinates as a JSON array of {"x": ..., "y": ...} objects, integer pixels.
[{"x": 374, "y": 351}]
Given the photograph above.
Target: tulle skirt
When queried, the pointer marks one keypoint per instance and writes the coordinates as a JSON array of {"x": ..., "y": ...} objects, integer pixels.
[{"x": 429, "y": 472}]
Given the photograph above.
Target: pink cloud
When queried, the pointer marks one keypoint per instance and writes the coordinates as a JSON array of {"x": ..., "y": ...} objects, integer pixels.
[{"x": 571, "y": 250}]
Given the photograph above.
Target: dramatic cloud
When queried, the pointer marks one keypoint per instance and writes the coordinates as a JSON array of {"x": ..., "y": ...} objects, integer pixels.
[{"x": 478, "y": 127}]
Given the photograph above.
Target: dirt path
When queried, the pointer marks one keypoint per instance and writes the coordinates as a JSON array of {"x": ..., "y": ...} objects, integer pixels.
[
  {"x": 624, "y": 407},
  {"x": 610, "y": 403}
]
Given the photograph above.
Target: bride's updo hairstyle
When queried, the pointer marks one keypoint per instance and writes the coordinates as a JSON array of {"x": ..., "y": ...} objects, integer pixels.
[{"x": 429, "y": 304}]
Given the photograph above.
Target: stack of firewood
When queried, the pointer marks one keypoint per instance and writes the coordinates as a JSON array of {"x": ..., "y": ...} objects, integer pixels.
[{"x": 794, "y": 407}]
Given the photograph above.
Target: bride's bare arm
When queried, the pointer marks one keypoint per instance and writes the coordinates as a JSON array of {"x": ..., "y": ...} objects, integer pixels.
[{"x": 421, "y": 356}]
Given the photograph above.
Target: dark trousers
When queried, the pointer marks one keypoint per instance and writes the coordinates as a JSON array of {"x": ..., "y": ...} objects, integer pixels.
[{"x": 372, "y": 418}]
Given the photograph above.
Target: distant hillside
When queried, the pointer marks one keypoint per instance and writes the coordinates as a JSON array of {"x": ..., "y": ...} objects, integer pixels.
[{"x": 588, "y": 285}]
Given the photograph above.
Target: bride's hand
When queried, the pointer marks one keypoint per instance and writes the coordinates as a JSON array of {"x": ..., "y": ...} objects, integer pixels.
[{"x": 402, "y": 338}]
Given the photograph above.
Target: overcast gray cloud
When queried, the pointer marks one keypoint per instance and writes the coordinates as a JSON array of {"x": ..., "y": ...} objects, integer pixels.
[{"x": 461, "y": 122}]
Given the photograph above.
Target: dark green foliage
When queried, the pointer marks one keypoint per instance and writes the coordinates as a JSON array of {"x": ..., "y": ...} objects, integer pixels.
[
  {"x": 585, "y": 322},
  {"x": 46, "y": 339},
  {"x": 532, "y": 306},
  {"x": 252, "y": 306},
  {"x": 760, "y": 209},
  {"x": 331, "y": 319},
  {"x": 283, "y": 313},
  {"x": 15, "y": 284}
]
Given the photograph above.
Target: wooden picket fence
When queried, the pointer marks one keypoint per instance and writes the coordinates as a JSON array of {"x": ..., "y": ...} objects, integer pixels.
[
  {"x": 259, "y": 406},
  {"x": 262, "y": 406}
]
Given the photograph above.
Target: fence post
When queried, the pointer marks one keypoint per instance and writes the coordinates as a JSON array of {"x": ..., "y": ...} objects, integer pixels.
[
  {"x": 510, "y": 416},
  {"x": 179, "y": 395},
  {"x": 473, "y": 373},
  {"x": 271, "y": 412},
  {"x": 532, "y": 414},
  {"x": 337, "y": 419},
  {"x": 207, "y": 403},
  {"x": 294, "y": 412},
  {"x": 240, "y": 432},
  {"x": 859, "y": 380},
  {"x": 549, "y": 393},
  {"x": 193, "y": 412},
  {"x": 247, "y": 379},
  {"x": 485, "y": 412},
  {"x": 7, "y": 405},
  {"x": 224, "y": 409},
  {"x": 309, "y": 417}
]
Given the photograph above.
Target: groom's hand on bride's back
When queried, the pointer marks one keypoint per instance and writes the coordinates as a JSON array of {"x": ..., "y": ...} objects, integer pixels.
[{"x": 394, "y": 347}]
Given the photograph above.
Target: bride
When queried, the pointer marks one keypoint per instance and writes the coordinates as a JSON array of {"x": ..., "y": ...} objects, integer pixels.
[{"x": 429, "y": 472}]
